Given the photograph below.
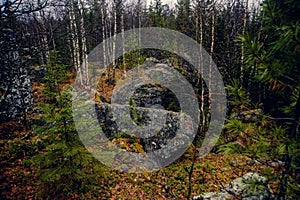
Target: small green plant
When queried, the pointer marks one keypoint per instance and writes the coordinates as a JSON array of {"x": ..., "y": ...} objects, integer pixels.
[
  {"x": 136, "y": 116},
  {"x": 238, "y": 97}
]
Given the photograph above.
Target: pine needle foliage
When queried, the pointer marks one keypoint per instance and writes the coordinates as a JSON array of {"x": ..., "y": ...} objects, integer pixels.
[{"x": 272, "y": 65}]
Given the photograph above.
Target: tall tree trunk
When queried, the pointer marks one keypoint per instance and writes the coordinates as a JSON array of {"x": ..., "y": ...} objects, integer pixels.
[
  {"x": 199, "y": 38},
  {"x": 75, "y": 42},
  {"x": 103, "y": 22},
  {"x": 211, "y": 52},
  {"x": 109, "y": 48},
  {"x": 202, "y": 71},
  {"x": 140, "y": 26},
  {"x": 114, "y": 42},
  {"x": 123, "y": 43},
  {"x": 44, "y": 40},
  {"x": 84, "y": 59},
  {"x": 243, "y": 47}
]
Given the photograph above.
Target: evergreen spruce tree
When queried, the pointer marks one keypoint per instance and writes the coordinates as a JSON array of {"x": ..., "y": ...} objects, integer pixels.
[
  {"x": 62, "y": 163},
  {"x": 183, "y": 20}
]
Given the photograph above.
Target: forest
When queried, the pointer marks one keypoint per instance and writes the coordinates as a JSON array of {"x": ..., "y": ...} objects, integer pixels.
[{"x": 62, "y": 60}]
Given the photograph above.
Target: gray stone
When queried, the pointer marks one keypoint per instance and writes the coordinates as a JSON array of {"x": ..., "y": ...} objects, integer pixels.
[
  {"x": 16, "y": 97},
  {"x": 151, "y": 59},
  {"x": 213, "y": 196},
  {"x": 251, "y": 186}
]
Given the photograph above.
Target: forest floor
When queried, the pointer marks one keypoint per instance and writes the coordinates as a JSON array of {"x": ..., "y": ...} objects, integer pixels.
[{"x": 18, "y": 180}]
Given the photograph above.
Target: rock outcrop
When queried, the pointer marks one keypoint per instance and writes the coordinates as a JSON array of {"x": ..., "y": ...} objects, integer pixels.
[
  {"x": 15, "y": 89},
  {"x": 148, "y": 104}
]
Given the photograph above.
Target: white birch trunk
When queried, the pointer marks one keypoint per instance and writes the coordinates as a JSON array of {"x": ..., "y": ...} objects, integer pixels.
[
  {"x": 84, "y": 59},
  {"x": 200, "y": 35},
  {"x": 211, "y": 53},
  {"x": 114, "y": 41},
  {"x": 43, "y": 41},
  {"x": 123, "y": 43},
  {"x": 139, "y": 26},
  {"x": 103, "y": 22},
  {"x": 75, "y": 42}
]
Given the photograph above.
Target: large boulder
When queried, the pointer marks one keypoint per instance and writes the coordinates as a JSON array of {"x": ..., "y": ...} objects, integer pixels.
[{"x": 175, "y": 123}]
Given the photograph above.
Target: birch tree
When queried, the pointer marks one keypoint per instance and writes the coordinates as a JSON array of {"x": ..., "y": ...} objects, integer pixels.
[
  {"x": 75, "y": 41},
  {"x": 40, "y": 18},
  {"x": 123, "y": 41},
  {"x": 199, "y": 38},
  {"x": 139, "y": 15},
  {"x": 211, "y": 52},
  {"x": 84, "y": 59},
  {"x": 103, "y": 24},
  {"x": 114, "y": 40}
]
